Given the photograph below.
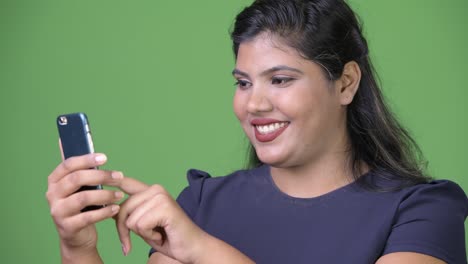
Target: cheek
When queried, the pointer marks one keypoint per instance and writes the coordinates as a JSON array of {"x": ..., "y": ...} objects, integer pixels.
[
  {"x": 294, "y": 103},
  {"x": 238, "y": 104},
  {"x": 303, "y": 104}
]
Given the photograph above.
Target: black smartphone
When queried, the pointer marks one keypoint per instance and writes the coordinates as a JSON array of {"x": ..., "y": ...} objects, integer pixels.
[{"x": 75, "y": 140}]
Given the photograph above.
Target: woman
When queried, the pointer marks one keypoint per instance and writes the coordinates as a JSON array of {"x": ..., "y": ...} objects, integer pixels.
[{"x": 335, "y": 178}]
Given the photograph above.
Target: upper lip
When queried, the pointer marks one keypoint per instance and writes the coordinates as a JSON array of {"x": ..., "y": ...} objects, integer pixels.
[{"x": 264, "y": 121}]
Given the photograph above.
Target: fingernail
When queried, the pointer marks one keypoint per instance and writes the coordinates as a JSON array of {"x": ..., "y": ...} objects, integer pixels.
[
  {"x": 100, "y": 158},
  {"x": 124, "y": 250},
  {"x": 117, "y": 175},
  {"x": 114, "y": 208},
  {"x": 118, "y": 195}
]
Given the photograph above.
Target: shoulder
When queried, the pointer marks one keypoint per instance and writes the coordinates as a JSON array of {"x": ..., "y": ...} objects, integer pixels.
[
  {"x": 201, "y": 182},
  {"x": 202, "y": 186},
  {"x": 439, "y": 195},
  {"x": 429, "y": 219},
  {"x": 436, "y": 193},
  {"x": 195, "y": 177}
]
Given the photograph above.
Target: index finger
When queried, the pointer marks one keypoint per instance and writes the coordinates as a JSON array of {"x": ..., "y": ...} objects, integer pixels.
[
  {"x": 76, "y": 163},
  {"x": 131, "y": 186}
]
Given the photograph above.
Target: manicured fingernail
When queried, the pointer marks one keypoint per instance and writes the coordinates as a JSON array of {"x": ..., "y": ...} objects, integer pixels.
[
  {"x": 118, "y": 195},
  {"x": 124, "y": 250},
  {"x": 117, "y": 175},
  {"x": 100, "y": 158}
]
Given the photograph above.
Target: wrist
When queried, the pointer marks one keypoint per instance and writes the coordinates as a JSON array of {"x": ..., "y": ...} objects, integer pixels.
[
  {"x": 212, "y": 249},
  {"x": 73, "y": 254},
  {"x": 202, "y": 248}
]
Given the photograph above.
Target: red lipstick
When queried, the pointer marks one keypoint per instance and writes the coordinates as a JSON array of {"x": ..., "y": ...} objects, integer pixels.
[{"x": 260, "y": 124}]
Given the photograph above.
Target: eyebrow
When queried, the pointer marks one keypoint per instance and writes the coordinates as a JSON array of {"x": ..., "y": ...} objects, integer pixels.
[{"x": 268, "y": 71}]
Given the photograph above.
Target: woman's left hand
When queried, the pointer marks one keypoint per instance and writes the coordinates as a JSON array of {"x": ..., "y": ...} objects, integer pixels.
[{"x": 156, "y": 217}]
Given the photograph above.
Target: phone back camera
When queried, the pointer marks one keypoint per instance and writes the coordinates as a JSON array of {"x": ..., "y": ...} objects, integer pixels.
[{"x": 63, "y": 120}]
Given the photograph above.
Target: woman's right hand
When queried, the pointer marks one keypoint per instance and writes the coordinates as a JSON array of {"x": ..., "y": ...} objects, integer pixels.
[{"x": 76, "y": 229}]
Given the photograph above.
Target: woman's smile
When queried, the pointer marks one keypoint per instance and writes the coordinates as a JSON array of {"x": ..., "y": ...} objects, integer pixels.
[{"x": 268, "y": 129}]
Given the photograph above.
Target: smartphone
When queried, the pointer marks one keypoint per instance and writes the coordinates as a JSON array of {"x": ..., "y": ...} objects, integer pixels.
[{"x": 75, "y": 140}]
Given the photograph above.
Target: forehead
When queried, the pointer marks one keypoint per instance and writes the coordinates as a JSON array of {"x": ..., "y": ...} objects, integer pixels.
[
  {"x": 266, "y": 44},
  {"x": 267, "y": 51}
]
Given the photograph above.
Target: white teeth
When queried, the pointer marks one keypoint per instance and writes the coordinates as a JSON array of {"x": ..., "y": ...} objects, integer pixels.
[{"x": 270, "y": 128}]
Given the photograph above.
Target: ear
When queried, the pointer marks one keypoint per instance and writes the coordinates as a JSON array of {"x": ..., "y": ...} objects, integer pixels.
[{"x": 348, "y": 84}]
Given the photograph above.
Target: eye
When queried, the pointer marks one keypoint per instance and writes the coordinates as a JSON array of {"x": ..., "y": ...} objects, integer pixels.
[
  {"x": 242, "y": 84},
  {"x": 281, "y": 81}
]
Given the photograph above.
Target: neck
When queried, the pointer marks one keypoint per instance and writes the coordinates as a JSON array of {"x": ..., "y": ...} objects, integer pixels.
[{"x": 328, "y": 173}]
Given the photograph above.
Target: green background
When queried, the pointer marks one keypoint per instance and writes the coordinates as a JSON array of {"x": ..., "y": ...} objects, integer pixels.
[{"x": 154, "y": 78}]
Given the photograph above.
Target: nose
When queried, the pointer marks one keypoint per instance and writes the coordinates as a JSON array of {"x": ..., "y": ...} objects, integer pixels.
[{"x": 259, "y": 101}]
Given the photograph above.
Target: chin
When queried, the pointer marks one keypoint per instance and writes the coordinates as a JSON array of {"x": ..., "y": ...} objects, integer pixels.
[{"x": 272, "y": 160}]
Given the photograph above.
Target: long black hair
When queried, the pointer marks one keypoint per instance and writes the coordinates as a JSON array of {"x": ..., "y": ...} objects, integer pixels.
[{"x": 328, "y": 32}]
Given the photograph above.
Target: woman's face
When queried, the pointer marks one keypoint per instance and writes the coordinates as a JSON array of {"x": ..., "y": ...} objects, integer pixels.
[{"x": 287, "y": 107}]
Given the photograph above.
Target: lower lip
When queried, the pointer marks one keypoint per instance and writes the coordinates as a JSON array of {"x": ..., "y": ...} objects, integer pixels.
[{"x": 270, "y": 136}]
